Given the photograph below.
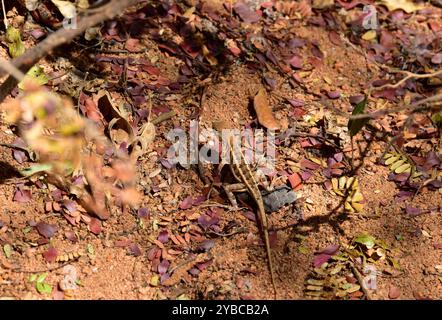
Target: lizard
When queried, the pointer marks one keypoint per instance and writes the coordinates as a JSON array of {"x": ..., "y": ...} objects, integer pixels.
[{"x": 247, "y": 182}]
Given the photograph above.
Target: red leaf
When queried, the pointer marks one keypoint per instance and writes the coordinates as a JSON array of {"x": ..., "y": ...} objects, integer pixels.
[
  {"x": 95, "y": 226},
  {"x": 50, "y": 255},
  {"x": 437, "y": 246},
  {"x": 335, "y": 38},
  {"x": 92, "y": 111},
  {"x": 295, "y": 181}
]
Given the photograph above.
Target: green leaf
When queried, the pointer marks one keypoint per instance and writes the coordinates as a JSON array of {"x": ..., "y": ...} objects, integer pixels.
[
  {"x": 36, "y": 73},
  {"x": 32, "y": 278},
  {"x": 42, "y": 277},
  {"x": 7, "y": 249},
  {"x": 354, "y": 126},
  {"x": 16, "y": 46},
  {"x": 437, "y": 119},
  {"x": 43, "y": 287},
  {"x": 90, "y": 249},
  {"x": 366, "y": 240},
  {"x": 35, "y": 169}
]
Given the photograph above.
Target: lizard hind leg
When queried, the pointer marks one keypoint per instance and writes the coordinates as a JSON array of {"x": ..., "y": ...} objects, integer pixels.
[{"x": 230, "y": 189}]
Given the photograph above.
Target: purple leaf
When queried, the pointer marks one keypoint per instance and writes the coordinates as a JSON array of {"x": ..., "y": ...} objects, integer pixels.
[
  {"x": 203, "y": 265},
  {"x": 46, "y": 230},
  {"x": 186, "y": 203},
  {"x": 194, "y": 271},
  {"x": 305, "y": 175},
  {"x": 338, "y": 156},
  {"x": 206, "y": 221},
  {"x": 356, "y": 99},
  {"x": 198, "y": 200},
  {"x": 271, "y": 82},
  {"x": 163, "y": 266},
  {"x": 330, "y": 250},
  {"x": 166, "y": 164},
  {"x": 206, "y": 245},
  {"x": 143, "y": 213},
  {"x": 413, "y": 212},
  {"x": 245, "y": 13},
  {"x": 163, "y": 237},
  {"x": 22, "y": 196},
  {"x": 296, "y": 62},
  {"x": 249, "y": 215},
  {"x": 134, "y": 250},
  {"x": 19, "y": 156},
  {"x": 70, "y": 205},
  {"x": 320, "y": 259},
  {"x": 296, "y": 103},
  {"x": 333, "y": 94},
  {"x": 164, "y": 277},
  {"x": 296, "y": 43},
  {"x": 437, "y": 58}
]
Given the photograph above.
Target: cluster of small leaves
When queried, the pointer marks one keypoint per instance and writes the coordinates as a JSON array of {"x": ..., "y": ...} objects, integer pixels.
[
  {"x": 40, "y": 285},
  {"x": 348, "y": 187},
  {"x": 398, "y": 163}
]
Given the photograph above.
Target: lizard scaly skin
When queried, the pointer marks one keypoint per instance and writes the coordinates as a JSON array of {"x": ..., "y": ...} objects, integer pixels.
[{"x": 241, "y": 171}]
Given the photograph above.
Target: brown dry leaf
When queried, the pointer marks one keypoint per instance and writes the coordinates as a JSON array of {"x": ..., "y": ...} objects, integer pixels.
[{"x": 263, "y": 111}]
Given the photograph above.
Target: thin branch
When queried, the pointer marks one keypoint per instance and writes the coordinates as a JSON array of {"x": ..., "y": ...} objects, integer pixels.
[
  {"x": 414, "y": 107},
  {"x": 5, "y": 20},
  {"x": 8, "y": 67},
  {"x": 62, "y": 36},
  {"x": 410, "y": 75}
]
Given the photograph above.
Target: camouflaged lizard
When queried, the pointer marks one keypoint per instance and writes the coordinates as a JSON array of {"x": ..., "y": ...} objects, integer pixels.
[{"x": 247, "y": 182}]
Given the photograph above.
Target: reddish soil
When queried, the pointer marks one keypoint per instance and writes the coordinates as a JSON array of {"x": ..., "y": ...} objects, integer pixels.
[{"x": 236, "y": 267}]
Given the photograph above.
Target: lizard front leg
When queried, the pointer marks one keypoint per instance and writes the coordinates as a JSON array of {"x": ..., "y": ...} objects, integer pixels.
[{"x": 231, "y": 188}]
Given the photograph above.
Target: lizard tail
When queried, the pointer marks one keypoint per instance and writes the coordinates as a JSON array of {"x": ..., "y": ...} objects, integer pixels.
[{"x": 270, "y": 261}]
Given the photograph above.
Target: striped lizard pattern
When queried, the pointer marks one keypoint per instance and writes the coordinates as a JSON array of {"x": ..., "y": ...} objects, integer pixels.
[{"x": 242, "y": 173}]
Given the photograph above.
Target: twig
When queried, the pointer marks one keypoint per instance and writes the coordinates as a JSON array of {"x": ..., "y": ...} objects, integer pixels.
[
  {"x": 18, "y": 270},
  {"x": 5, "y": 20},
  {"x": 410, "y": 75},
  {"x": 414, "y": 107},
  {"x": 62, "y": 36},
  {"x": 8, "y": 67}
]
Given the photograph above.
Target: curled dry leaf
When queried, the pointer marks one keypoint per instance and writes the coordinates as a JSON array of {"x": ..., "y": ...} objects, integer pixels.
[{"x": 262, "y": 109}]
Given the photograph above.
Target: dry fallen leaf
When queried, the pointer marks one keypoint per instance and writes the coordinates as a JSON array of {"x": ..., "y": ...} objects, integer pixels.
[
  {"x": 408, "y": 6},
  {"x": 263, "y": 111}
]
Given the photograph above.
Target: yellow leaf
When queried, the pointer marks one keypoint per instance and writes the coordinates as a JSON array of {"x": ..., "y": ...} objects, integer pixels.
[
  {"x": 397, "y": 164},
  {"x": 391, "y": 160},
  {"x": 369, "y": 35},
  {"x": 357, "y": 197},
  {"x": 408, "y": 6},
  {"x": 403, "y": 168},
  {"x": 357, "y": 206}
]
